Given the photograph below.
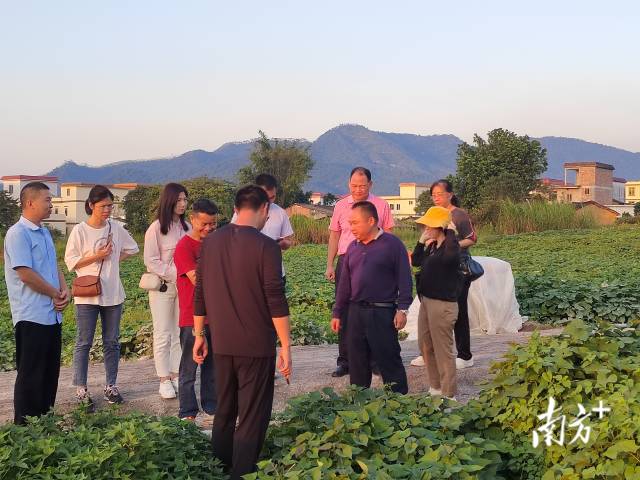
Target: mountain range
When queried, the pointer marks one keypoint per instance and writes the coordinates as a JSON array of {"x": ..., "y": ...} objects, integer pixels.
[{"x": 392, "y": 157}]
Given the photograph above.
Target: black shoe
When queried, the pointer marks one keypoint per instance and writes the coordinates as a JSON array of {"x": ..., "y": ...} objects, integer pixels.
[
  {"x": 85, "y": 401},
  {"x": 112, "y": 395},
  {"x": 340, "y": 372}
]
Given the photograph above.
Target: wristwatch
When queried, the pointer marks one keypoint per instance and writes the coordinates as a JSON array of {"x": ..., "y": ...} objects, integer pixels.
[{"x": 200, "y": 333}]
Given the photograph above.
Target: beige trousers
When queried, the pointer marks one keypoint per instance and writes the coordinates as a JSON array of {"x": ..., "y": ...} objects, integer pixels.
[
  {"x": 166, "y": 332},
  {"x": 435, "y": 339}
]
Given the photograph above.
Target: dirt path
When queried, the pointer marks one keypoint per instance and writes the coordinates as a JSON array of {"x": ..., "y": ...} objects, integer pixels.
[{"x": 312, "y": 366}]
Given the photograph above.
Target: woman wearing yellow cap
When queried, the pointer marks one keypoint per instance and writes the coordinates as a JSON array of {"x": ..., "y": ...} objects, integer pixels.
[{"x": 437, "y": 253}]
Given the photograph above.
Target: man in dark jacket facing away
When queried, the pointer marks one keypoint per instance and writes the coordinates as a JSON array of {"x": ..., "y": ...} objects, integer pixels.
[{"x": 239, "y": 288}]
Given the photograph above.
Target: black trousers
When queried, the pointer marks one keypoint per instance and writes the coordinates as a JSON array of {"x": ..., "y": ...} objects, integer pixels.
[
  {"x": 373, "y": 336},
  {"x": 38, "y": 349},
  {"x": 461, "y": 327},
  {"x": 245, "y": 393},
  {"x": 343, "y": 346}
]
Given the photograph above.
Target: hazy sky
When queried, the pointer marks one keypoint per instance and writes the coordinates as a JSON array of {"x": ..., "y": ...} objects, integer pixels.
[{"x": 105, "y": 81}]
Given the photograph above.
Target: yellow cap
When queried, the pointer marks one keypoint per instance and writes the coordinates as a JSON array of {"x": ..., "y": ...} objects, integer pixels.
[{"x": 436, "y": 217}]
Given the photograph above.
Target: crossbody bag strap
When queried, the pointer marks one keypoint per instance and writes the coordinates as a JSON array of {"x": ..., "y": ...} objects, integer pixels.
[{"x": 102, "y": 262}]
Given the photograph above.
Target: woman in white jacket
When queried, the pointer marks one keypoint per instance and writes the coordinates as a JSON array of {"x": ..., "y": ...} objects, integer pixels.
[{"x": 159, "y": 244}]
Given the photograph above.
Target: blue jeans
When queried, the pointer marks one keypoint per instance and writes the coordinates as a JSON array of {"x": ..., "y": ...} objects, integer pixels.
[
  {"x": 187, "y": 378},
  {"x": 86, "y": 319}
]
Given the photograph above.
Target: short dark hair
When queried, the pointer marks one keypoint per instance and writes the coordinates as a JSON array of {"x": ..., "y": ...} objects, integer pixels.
[
  {"x": 97, "y": 193},
  {"x": 204, "y": 205},
  {"x": 252, "y": 197},
  {"x": 30, "y": 190},
  {"x": 267, "y": 181},
  {"x": 368, "y": 208},
  {"x": 363, "y": 171},
  {"x": 168, "y": 201}
]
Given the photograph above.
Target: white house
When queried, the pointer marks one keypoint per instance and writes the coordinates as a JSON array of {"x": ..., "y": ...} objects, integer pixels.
[{"x": 13, "y": 184}]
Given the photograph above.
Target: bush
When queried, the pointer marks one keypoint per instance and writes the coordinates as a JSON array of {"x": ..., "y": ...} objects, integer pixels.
[
  {"x": 582, "y": 366},
  {"x": 373, "y": 434},
  {"x": 106, "y": 446},
  {"x": 627, "y": 219}
]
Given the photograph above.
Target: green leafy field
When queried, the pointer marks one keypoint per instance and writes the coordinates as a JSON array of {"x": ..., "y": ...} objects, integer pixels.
[
  {"x": 588, "y": 274},
  {"x": 381, "y": 435}
]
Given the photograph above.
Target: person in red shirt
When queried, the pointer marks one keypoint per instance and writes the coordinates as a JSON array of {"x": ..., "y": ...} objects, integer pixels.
[{"x": 203, "y": 220}]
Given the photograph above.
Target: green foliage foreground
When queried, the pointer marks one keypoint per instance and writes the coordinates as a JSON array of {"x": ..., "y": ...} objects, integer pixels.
[
  {"x": 106, "y": 446},
  {"x": 368, "y": 434}
]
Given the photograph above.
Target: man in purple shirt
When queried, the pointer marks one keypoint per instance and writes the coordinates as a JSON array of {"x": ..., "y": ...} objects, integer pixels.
[{"x": 376, "y": 287}]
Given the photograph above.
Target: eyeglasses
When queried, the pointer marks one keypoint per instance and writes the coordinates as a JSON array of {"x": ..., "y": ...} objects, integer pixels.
[
  {"x": 438, "y": 195},
  {"x": 105, "y": 207}
]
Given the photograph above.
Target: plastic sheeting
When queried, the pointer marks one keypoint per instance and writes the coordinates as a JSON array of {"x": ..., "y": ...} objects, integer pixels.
[{"x": 493, "y": 307}]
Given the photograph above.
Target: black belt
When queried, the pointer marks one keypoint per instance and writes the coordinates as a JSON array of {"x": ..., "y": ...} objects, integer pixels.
[{"x": 378, "y": 304}]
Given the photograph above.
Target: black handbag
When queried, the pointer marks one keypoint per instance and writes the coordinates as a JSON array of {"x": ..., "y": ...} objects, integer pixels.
[{"x": 471, "y": 270}]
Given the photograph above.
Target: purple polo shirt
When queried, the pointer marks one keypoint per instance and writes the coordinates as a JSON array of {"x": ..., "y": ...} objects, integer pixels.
[{"x": 376, "y": 272}]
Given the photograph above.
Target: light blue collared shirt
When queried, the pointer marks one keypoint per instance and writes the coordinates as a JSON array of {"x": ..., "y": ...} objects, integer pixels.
[{"x": 28, "y": 245}]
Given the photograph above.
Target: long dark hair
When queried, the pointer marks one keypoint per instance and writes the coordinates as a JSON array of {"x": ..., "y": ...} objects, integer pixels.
[
  {"x": 168, "y": 202},
  {"x": 96, "y": 194},
  {"x": 446, "y": 184}
]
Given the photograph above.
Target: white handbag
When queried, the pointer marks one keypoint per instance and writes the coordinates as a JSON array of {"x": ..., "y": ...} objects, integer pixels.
[{"x": 152, "y": 282}]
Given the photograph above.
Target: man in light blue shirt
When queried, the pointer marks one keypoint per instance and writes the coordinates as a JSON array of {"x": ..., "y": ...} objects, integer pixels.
[{"x": 37, "y": 294}]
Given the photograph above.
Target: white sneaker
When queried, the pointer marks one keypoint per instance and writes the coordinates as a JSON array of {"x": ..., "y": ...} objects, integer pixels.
[
  {"x": 175, "y": 382},
  {"x": 166, "y": 389},
  {"x": 461, "y": 364},
  {"x": 418, "y": 361},
  {"x": 452, "y": 398},
  {"x": 435, "y": 391}
]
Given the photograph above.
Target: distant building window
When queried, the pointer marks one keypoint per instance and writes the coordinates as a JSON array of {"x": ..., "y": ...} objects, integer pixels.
[
  {"x": 632, "y": 191},
  {"x": 56, "y": 210},
  {"x": 10, "y": 189},
  {"x": 410, "y": 202},
  {"x": 586, "y": 191},
  {"x": 391, "y": 206},
  {"x": 397, "y": 206},
  {"x": 569, "y": 197},
  {"x": 68, "y": 192},
  {"x": 65, "y": 212}
]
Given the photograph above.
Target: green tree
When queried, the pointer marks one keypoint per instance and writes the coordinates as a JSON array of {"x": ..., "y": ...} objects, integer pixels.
[
  {"x": 636, "y": 209},
  {"x": 424, "y": 202},
  {"x": 9, "y": 211},
  {"x": 329, "y": 199},
  {"x": 505, "y": 160},
  {"x": 288, "y": 161},
  {"x": 505, "y": 186},
  {"x": 140, "y": 206},
  {"x": 219, "y": 191}
]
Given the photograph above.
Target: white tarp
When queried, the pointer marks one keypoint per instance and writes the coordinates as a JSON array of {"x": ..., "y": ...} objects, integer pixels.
[{"x": 493, "y": 307}]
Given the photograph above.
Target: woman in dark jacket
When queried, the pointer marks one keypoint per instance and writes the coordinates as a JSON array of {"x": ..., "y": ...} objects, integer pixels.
[{"x": 437, "y": 254}]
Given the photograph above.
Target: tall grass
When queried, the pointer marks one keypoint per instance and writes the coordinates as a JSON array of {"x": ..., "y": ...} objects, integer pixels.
[
  {"x": 526, "y": 217},
  {"x": 307, "y": 230}
]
